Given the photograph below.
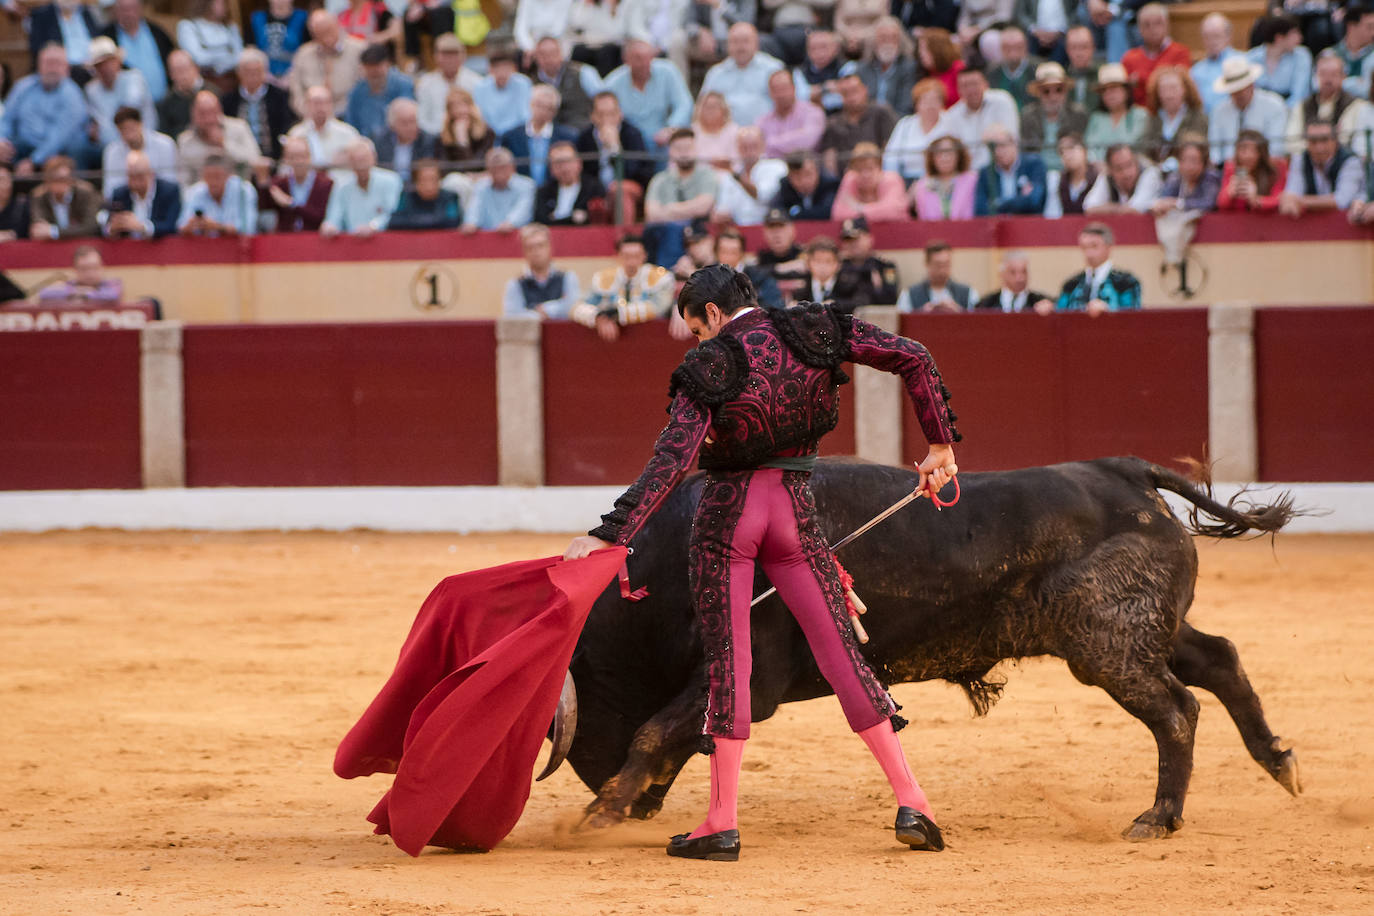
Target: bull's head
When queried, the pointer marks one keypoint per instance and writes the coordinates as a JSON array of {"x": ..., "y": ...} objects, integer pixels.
[{"x": 563, "y": 728}]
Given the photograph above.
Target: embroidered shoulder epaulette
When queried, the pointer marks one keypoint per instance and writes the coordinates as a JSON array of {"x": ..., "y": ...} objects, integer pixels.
[{"x": 712, "y": 373}]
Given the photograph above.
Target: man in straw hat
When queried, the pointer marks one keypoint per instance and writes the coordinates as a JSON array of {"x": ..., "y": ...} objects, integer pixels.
[
  {"x": 112, "y": 88},
  {"x": 1050, "y": 114},
  {"x": 1245, "y": 106}
]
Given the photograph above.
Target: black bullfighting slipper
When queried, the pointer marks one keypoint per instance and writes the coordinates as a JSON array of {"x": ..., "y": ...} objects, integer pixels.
[
  {"x": 714, "y": 847},
  {"x": 918, "y": 831}
]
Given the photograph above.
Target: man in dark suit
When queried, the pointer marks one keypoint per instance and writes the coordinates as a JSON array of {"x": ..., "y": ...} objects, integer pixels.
[
  {"x": 1015, "y": 294},
  {"x": 64, "y": 207},
  {"x": 147, "y": 207},
  {"x": 610, "y": 137},
  {"x": 530, "y": 142},
  {"x": 144, "y": 43},
  {"x": 1012, "y": 183},
  {"x": 300, "y": 195},
  {"x": 571, "y": 197},
  {"x": 45, "y": 28},
  {"x": 403, "y": 144},
  {"x": 806, "y": 192},
  {"x": 265, "y": 108}
]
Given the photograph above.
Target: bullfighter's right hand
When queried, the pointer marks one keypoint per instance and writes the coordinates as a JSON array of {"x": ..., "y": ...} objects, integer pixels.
[
  {"x": 937, "y": 469},
  {"x": 584, "y": 546}
]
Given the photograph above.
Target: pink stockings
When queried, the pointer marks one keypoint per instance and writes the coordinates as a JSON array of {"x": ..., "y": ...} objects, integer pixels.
[{"x": 882, "y": 741}]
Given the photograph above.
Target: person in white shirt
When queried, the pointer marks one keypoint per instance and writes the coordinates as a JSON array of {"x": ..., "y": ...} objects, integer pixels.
[
  {"x": 1245, "y": 106},
  {"x": 211, "y": 38},
  {"x": 431, "y": 89},
  {"x": 160, "y": 149},
  {"x": 1126, "y": 186},
  {"x": 905, "y": 153},
  {"x": 362, "y": 203},
  {"x": 745, "y": 196},
  {"x": 329, "y": 138},
  {"x": 979, "y": 109},
  {"x": 220, "y": 204}
]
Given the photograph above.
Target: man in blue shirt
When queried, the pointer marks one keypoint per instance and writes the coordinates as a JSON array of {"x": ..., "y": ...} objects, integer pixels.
[
  {"x": 504, "y": 95},
  {"x": 362, "y": 203},
  {"x": 45, "y": 115},
  {"x": 220, "y": 204},
  {"x": 380, "y": 85},
  {"x": 743, "y": 77},
  {"x": 530, "y": 142},
  {"x": 145, "y": 44},
  {"x": 503, "y": 200},
  {"x": 1216, "y": 42},
  {"x": 652, "y": 93}
]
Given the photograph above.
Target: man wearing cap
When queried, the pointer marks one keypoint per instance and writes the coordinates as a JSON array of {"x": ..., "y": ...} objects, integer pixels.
[
  {"x": 1156, "y": 50},
  {"x": 450, "y": 72},
  {"x": 865, "y": 278},
  {"x": 1245, "y": 107},
  {"x": 380, "y": 86},
  {"x": 145, "y": 44},
  {"x": 781, "y": 255},
  {"x": 979, "y": 109},
  {"x": 1216, "y": 43},
  {"x": 1050, "y": 114},
  {"x": 114, "y": 88}
]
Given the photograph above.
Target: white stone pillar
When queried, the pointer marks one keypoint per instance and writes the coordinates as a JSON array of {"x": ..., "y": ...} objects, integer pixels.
[
  {"x": 162, "y": 401},
  {"x": 878, "y": 399},
  {"x": 520, "y": 402},
  {"x": 1232, "y": 430}
]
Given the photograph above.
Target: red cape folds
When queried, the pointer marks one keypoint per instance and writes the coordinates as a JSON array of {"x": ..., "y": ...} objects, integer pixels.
[{"x": 462, "y": 718}]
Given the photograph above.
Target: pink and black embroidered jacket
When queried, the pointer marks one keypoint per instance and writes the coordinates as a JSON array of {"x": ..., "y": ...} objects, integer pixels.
[{"x": 765, "y": 387}]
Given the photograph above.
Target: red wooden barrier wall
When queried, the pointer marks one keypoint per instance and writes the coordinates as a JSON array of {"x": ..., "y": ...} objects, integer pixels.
[
  {"x": 69, "y": 410},
  {"x": 1315, "y": 394},
  {"x": 1037, "y": 390},
  {"x": 341, "y": 405}
]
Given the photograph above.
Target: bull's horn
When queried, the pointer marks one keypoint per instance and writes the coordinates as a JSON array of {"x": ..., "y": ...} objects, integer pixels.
[{"x": 564, "y": 727}]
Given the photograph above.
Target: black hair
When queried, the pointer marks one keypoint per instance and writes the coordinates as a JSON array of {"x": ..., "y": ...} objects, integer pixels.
[
  {"x": 728, "y": 288},
  {"x": 629, "y": 239}
]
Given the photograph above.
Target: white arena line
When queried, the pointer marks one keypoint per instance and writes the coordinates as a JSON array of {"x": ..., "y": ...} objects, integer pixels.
[{"x": 1345, "y": 508}]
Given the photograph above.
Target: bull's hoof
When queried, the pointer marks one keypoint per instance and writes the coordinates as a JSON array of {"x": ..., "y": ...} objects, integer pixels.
[
  {"x": 599, "y": 819},
  {"x": 1287, "y": 775},
  {"x": 1144, "y": 828}
]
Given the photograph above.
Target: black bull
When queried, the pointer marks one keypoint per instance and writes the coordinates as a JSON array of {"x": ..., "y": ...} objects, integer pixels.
[{"x": 1082, "y": 561}]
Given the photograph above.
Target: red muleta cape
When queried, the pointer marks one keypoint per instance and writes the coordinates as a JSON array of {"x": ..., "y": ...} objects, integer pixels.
[{"x": 462, "y": 718}]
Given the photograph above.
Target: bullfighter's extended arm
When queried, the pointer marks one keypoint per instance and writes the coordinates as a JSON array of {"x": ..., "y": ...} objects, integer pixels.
[{"x": 870, "y": 345}]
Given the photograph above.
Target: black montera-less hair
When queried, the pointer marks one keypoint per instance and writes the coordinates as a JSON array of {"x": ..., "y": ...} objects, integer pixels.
[{"x": 728, "y": 288}]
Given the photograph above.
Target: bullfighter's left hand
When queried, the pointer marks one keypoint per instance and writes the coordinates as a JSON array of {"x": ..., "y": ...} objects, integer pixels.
[{"x": 584, "y": 546}]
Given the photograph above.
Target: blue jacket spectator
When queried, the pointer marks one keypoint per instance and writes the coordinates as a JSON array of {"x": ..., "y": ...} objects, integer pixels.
[
  {"x": 72, "y": 32},
  {"x": 427, "y": 205},
  {"x": 806, "y": 192},
  {"x": 502, "y": 199},
  {"x": 607, "y": 121},
  {"x": 45, "y": 114},
  {"x": 530, "y": 142},
  {"x": 147, "y": 207},
  {"x": 1011, "y": 183},
  {"x": 1100, "y": 287},
  {"x": 380, "y": 86},
  {"x": 145, "y": 44},
  {"x": 279, "y": 31}
]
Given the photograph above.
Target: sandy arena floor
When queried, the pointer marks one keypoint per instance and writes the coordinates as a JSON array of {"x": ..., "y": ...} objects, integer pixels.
[{"x": 172, "y": 702}]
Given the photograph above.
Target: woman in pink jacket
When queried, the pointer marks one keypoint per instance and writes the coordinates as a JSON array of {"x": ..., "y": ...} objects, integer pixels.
[
  {"x": 868, "y": 191},
  {"x": 948, "y": 187}
]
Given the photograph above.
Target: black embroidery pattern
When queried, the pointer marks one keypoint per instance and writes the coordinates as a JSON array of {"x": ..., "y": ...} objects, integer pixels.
[
  {"x": 708, "y": 565},
  {"x": 712, "y": 373}
]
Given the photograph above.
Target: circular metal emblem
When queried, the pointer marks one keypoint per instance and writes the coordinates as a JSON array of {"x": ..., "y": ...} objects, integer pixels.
[{"x": 434, "y": 288}]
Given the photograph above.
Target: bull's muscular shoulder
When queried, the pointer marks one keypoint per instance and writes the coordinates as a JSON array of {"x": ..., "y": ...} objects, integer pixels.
[
  {"x": 712, "y": 373},
  {"x": 817, "y": 333}
]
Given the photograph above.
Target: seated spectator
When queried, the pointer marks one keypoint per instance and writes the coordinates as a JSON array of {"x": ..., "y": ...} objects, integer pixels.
[
  {"x": 1356, "y": 48},
  {"x": 700, "y": 251},
  {"x": 888, "y": 68},
  {"x": 1015, "y": 294},
  {"x": 1331, "y": 101},
  {"x": 1244, "y": 107},
  {"x": 220, "y": 204},
  {"x": 940, "y": 59},
  {"x": 938, "y": 292},
  {"x": 1156, "y": 50},
  {"x": 822, "y": 271},
  {"x": 541, "y": 290},
  {"x": 856, "y": 22},
  {"x": 111, "y": 88},
  {"x": 1251, "y": 180},
  {"x": 145, "y": 206},
  {"x": 906, "y": 147},
  {"x": 742, "y": 78},
  {"x": 45, "y": 115},
  {"x": 530, "y": 142},
  {"x": 651, "y": 92},
  {"x": 63, "y": 207},
  {"x": 1012, "y": 183},
  {"x": 577, "y": 84},
  {"x": 949, "y": 187},
  {"x": 450, "y": 72},
  {"x": 684, "y": 191},
  {"x": 781, "y": 254},
  {"x": 1045, "y": 23},
  {"x": 265, "y": 108},
  {"x": 978, "y": 110},
  {"x": 160, "y": 149},
  {"x": 299, "y": 196},
  {"x": 403, "y": 143},
  {"x": 211, "y": 132},
  {"x": 212, "y": 39},
  {"x": 327, "y": 137},
  {"x": 615, "y": 148},
  {"x": 791, "y": 22},
  {"x": 174, "y": 111},
  {"x": 361, "y": 203},
  {"x": 502, "y": 201},
  {"x": 807, "y": 192},
  {"x": 1068, "y": 186},
  {"x": 1175, "y": 110},
  {"x": 370, "y": 21},
  {"x": 632, "y": 292},
  {"x": 14, "y": 208},
  {"x": 597, "y": 30},
  {"x": 69, "y": 25},
  {"x": 1194, "y": 185},
  {"x": 380, "y": 86},
  {"x": 817, "y": 78},
  {"x": 868, "y": 191},
  {"x": 1216, "y": 46},
  {"x": 569, "y": 197},
  {"x": 793, "y": 125},
  {"x": 279, "y": 32},
  {"x": 1117, "y": 121},
  {"x": 1082, "y": 67},
  {"x": 730, "y": 250},
  {"x": 88, "y": 287},
  {"x": 702, "y": 42},
  {"x": 466, "y": 136},
  {"x": 858, "y": 121},
  {"x": 1127, "y": 185},
  {"x": 1100, "y": 287},
  {"x": 1285, "y": 65},
  {"x": 1325, "y": 176},
  {"x": 979, "y": 16},
  {"x": 1050, "y": 115},
  {"x": 427, "y": 205},
  {"x": 503, "y": 95},
  {"x": 715, "y": 132},
  {"x": 865, "y": 278},
  {"x": 330, "y": 59},
  {"x": 1014, "y": 73},
  {"x": 745, "y": 194}
]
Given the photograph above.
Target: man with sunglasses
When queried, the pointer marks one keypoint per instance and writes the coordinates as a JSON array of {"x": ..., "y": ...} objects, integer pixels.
[{"x": 1050, "y": 114}]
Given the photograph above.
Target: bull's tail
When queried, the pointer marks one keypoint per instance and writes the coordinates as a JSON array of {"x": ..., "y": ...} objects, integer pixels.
[{"x": 1235, "y": 518}]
